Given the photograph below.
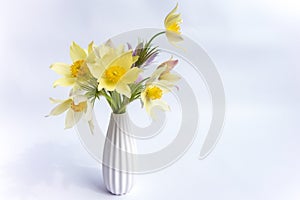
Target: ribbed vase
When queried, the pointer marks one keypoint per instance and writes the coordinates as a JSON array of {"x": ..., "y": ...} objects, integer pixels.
[{"x": 117, "y": 161}]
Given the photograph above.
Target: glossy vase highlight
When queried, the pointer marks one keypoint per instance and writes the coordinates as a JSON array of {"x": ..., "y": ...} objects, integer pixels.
[{"x": 118, "y": 163}]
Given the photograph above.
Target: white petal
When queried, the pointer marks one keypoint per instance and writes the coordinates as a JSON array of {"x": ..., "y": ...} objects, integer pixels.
[
  {"x": 78, "y": 99},
  {"x": 96, "y": 69},
  {"x": 91, "y": 125},
  {"x": 61, "y": 107},
  {"x": 173, "y": 37},
  {"x": 160, "y": 104},
  {"x": 72, "y": 118},
  {"x": 89, "y": 111}
]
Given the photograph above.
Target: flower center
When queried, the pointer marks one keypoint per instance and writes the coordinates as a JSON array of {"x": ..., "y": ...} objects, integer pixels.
[
  {"x": 153, "y": 92},
  {"x": 79, "y": 107},
  {"x": 174, "y": 27},
  {"x": 114, "y": 73},
  {"x": 75, "y": 67}
]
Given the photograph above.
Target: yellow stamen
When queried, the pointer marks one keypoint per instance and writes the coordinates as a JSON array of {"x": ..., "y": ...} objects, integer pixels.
[
  {"x": 174, "y": 27},
  {"x": 80, "y": 107},
  {"x": 114, "y": 73},
  {"x": 153, "y": 92},
  {"x": 75, "y": 67}
]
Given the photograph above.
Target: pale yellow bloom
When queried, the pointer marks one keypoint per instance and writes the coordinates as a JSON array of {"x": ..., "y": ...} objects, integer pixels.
[
  {"x": 172, "y": 25},
  {"x": 78, "y": 68},
  {"x": 118, "y": 74},
  {"x": 103, "y": 56},
  {"x": 76, "y": 107},
  {"x": 151, "y": 98},
  {"x": 160, "y": 82}
]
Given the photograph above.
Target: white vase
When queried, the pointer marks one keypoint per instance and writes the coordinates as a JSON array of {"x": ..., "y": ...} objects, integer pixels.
[{"x": 118, "y": 163}]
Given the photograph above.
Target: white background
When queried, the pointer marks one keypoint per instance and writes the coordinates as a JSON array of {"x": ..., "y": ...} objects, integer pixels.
[{"x": 255, "y": 46}]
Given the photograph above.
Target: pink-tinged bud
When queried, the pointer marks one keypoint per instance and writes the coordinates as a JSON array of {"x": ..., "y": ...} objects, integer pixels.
[{"x": 170, "y": 64}]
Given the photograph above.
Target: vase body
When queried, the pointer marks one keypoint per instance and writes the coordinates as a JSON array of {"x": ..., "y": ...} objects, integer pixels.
[{"x": 118, "y": 163}]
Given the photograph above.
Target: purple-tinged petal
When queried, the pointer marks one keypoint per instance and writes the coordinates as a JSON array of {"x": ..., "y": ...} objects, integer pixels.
[
  {"x": 170, "y": 64},
  {"x": 150, "y": 59},
  {"x": 139, "y": 79},
  {"x": 138, "y": 49},
  {"x": 129, "y": 46}
]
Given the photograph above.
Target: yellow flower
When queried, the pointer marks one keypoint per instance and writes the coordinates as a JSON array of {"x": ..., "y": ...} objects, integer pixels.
[
  {"x": 160, "y": 82},
  {"x": 118, "y": 74},
  {"x": 76, "y": 107},
  {"x": 172, "y": 25},
  {"x": 151, "y": 97},
  {"x": 77, "y": 69},
  {"x": 103, "y": 56}
]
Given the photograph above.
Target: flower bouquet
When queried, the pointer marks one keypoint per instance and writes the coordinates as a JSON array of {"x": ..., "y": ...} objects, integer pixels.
[{"x": 115, "y": 73}]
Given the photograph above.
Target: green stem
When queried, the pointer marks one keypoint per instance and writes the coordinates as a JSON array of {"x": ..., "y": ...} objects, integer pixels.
[
  {"x": 123, "y": 105},
  {"x": 154, "y": 36}
]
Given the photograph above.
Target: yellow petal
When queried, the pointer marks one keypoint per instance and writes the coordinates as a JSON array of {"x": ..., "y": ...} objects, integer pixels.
[
  {"x": 131, "y": 75},
  {"x": 64, "y": 82},
  {"x": 105, "y": 83},
  {"x": 170, "y": 14},
  {"x": 124, "y": 89},
  {"x": 125, "y": 60},
  {"x": 61, "y": 69},
  {"x": 165, "y": 86},
  {"x": 52, "y": 100},
  {"x": 135, "y": 58},
  {"x": 173, "y": 20},
  {"x": 65, "y": 105},
  {"x": 91, "y": 57},
  {"x": 90, "y": 47},
  {"x": 169, "y": 77},
  {"x": 77, "y": 53}
]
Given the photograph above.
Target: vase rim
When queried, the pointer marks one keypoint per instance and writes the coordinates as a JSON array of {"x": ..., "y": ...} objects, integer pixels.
[{"x": 119, "y": 114}]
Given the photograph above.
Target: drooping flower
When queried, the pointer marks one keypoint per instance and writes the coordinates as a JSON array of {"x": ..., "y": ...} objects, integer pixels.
[
  {"x": 172, "y": 25},
  {"x": 76, "y": 107},
  {"x": 77, "y": 69},
  {"x": 118, "y": 74}
]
